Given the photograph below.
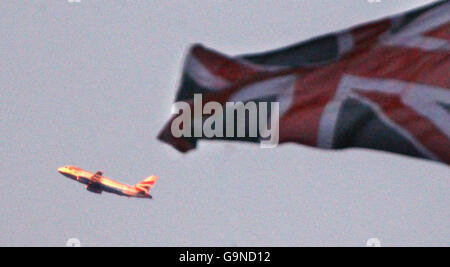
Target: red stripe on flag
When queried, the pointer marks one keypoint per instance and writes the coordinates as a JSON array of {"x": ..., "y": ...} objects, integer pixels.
[
  {"x": 220, "y": 65},
  {"x": 443, "y": 32},
  {"x": 407, "y": 64},
  {"x": 313, "y": 91}
]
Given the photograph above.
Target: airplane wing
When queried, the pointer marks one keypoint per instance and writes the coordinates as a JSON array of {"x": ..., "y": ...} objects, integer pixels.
[
  {"x": 96, "y": 178},
  {"x": 94, "y": 184}
]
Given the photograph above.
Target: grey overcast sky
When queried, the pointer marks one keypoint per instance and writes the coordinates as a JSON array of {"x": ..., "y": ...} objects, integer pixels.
[{"x": 91, "y": 84}]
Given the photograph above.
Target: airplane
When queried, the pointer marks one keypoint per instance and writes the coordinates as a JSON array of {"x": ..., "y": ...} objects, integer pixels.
[{"x": 97, "y": 183}]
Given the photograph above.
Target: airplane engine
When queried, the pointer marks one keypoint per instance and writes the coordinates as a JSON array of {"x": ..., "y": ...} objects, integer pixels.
[{"x": 94, "y": 189}]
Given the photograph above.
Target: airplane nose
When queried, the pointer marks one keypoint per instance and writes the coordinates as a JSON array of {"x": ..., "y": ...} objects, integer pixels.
[{"x": 61, "y": 170}]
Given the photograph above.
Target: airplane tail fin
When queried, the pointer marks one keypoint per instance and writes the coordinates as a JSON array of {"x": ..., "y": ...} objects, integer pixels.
[{"x": 146, "y": 184}]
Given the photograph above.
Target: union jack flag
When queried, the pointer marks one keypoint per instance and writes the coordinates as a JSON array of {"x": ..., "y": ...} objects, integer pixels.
[{"x": 384, "y": 85}]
